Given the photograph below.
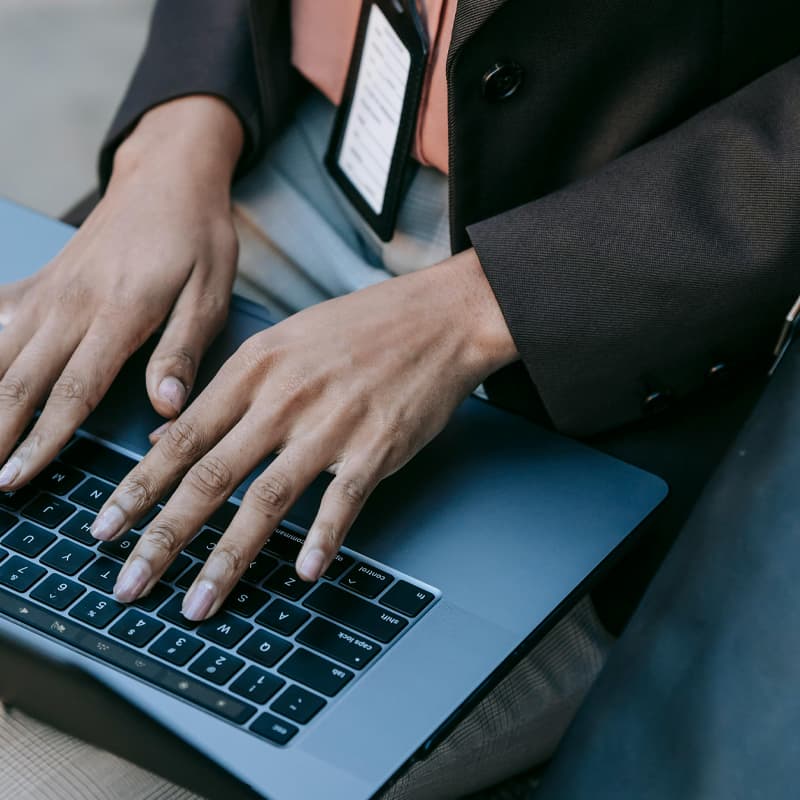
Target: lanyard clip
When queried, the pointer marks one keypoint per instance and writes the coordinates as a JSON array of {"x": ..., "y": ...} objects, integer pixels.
[{"x": 787, "y": 335}]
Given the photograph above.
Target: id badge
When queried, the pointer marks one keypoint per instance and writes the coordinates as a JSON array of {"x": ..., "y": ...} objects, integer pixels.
[{"x": 370, "y": 147}]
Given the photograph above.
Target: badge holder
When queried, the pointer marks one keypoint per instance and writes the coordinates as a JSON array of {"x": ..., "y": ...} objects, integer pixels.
[{"x": 370, "y": 147}]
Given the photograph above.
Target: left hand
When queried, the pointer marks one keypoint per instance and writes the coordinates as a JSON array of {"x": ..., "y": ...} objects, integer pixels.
[{"x": 356, "y": 386}]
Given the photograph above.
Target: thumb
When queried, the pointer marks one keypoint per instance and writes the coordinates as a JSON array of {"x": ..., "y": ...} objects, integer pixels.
[{"x": 195, "y": 320}]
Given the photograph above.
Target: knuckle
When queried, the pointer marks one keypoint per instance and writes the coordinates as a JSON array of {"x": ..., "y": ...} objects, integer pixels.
[
  {"x": 271, "y": 493},
  {"x": 329, "y": 536},
  {"x": 72, "y": 388},
  {"x": 181, "y": 359},
  {"x": 14, "y": 392},
  {"x": 210, "y": 477},
  {"x": 163, "y": 537},
  {"x": 141, "y": 489},
  {"x": 351, "y": 491},
  {"x": 230, "y": 559},
  {"x": 184, "y": 441}
]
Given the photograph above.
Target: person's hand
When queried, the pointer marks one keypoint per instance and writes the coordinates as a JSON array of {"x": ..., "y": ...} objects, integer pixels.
[
  {"x": 159, "y": 246},
  {"x": 355, "y": 385}
]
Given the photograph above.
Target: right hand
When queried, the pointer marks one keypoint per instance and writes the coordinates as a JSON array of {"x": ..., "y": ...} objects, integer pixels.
[{"x": 159, "y": 246}]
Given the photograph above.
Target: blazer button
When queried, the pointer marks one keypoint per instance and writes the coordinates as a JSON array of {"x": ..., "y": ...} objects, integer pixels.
[
  {"x": 502, "y": 80},
  {"x": 656, "y": 402}
]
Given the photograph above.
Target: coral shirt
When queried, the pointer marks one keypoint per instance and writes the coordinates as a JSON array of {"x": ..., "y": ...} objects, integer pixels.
[{"x": 323, "y": 34}]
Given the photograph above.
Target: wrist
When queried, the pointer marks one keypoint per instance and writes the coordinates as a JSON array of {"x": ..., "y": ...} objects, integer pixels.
[
  {"x": 476, "y": 314},
  {"x": 198, "y": 135}
]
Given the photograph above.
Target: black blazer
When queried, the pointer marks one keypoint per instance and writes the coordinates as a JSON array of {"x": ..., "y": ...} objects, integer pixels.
[{"x": 634, "y": 201}]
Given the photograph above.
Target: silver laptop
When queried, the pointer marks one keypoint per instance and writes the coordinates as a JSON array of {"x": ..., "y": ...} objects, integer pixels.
[{"x": 456, "y": 567}]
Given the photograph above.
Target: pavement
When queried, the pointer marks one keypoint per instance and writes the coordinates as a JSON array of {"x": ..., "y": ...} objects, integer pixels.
[{"x": 64, "y": 65}]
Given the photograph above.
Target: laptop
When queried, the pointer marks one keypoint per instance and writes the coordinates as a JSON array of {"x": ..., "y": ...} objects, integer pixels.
[{"x": 457, "y": 566}]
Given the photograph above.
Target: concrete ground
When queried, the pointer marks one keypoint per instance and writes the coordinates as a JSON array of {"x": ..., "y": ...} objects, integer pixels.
[{"x": 64, "y": 65}]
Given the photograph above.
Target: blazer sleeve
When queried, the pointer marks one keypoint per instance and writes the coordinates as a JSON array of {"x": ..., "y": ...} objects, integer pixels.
[
  {"x": 207, "y": 47},
  {"x": 679, "y": 256}
]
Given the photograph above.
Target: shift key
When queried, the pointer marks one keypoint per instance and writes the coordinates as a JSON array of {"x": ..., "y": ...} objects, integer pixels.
[
  {"x": 337, "y": 642},
  {"x": 379, "y": 623}
]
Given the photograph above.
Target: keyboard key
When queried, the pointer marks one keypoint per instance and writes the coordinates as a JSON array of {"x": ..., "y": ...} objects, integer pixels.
[
  {"x": 19, "y": 574},
  {"x": 121, "y": 547},
  {"x": 136, "y": 628},
  {"x": 158, "y": 594},
  {"x": 366, "y": 580},
  {"x": 339, "y": 643},
  {"x": 222, "y": 517},
  {"x": 340, "y": 563},
  {"x": 58, "y": 479},
  {"x": 265, "y": 648},
  {"x": 298, "y": 704},
  {"x": 102, "y": 574},
  {"x": 48, "y": 510},
  {"x": 315, "y": 672},
  {"x": 3, "y": 554},
  {"x": 354, "y": 612},
  {"x": 245, "y": 600},
  {"x": 259, "y": 568},
  {"x": 97, "y": 610},
  {"x": 406, "y": 598},
  {"x": 285, "y": 544},
  {"x": 273, "y": 728},
  {"x": 14, "y": 501},
  {"x": 256, "y": 685},
  {"x": 57, "y": 592},
  {"x": 7, "y": 521},
  {"x": 187, "y": 578},
  {"x": 171, "y": 612},
  {"x": 282, "y": 617},
  {"x": 132, "y": 661},
  {"x": 77, "y": 528},
  {"x": 67, "y": 557},
  {"x": 99, "y": 460},
  {"x": 216, "y": 665},
  {"x": 29, "y": 539},
  {"x": 284, "y": 581},
  {"x": 224, "y": 629},
  {"x": 176, "y": 647},
  {"x": 177, "y": 567},
  {"x": 93, "y": 493},
  {"x": 203, "y": 544}
]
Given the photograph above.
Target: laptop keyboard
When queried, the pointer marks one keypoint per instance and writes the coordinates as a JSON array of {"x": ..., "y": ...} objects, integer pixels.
[{"x": 271, "y": 660}]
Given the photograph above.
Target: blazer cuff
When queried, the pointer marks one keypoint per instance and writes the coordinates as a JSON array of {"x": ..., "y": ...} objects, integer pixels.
[{"x": 193, "y": 47}]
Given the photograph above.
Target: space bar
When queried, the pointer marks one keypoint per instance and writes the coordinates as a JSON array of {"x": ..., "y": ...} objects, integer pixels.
[{"x": 136, "y": 664}]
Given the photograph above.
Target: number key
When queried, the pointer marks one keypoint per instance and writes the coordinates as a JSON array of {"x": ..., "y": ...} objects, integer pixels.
[
  {"x": 97, "y": 610},
  {"x": 216, "y": 665},
  {"x": 19, "y": 574},
  {"x": 176, "y": 647},
  {"x": 136, "y": 628},
  {"x": 57, "y": 592}
]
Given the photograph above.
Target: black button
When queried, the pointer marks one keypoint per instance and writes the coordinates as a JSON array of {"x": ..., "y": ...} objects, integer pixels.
[
  {"x": 367, "y": 580},
  {"x": 502, "y": 81},
  {"x": 407, "y": 599},
  {"x": 656, "y": 402}
]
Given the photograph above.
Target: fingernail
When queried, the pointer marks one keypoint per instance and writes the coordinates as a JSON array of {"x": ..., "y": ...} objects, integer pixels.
[
  {"x": 199, "y": 601},
  {"x": 311, "y": 566},
  {"x": 10, "y": 470},
  {"x": 132, "y": 580},
  {"x": 172, "y": 391},
  {"x": 107, "y": 524}
]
